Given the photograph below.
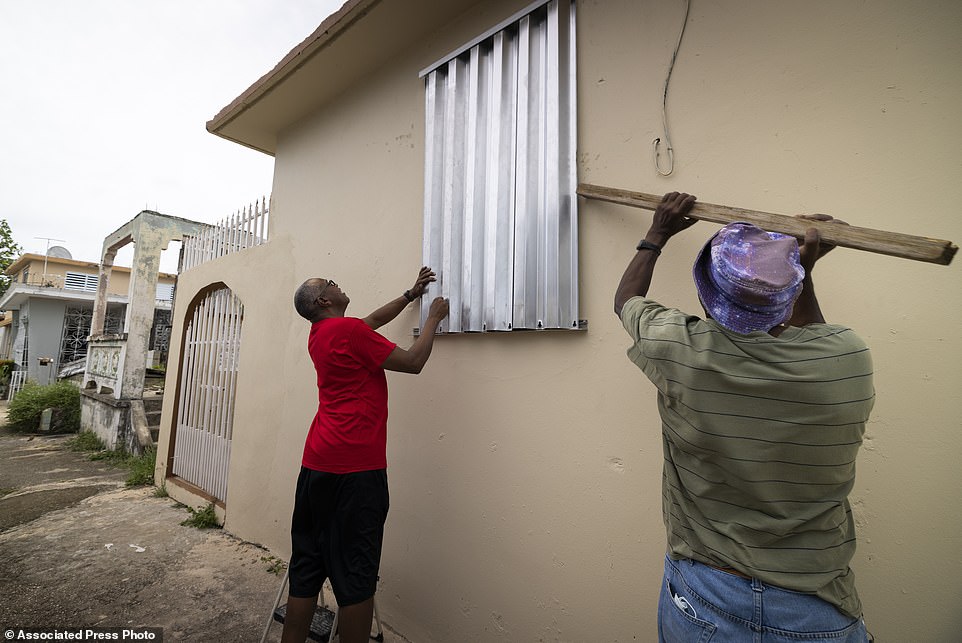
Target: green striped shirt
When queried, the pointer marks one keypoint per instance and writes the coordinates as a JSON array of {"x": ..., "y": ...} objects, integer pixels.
[{"x": 760, "y": 437}]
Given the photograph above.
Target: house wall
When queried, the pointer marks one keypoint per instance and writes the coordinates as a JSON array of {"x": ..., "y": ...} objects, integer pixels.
[
  {"x": 525, "y": 468},
  {"x": 48, "y": 336},
  {"x": 45, "y": 334}
]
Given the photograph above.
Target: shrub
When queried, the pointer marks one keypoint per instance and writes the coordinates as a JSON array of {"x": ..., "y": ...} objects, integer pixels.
[
  {"x": 6, "y": 367},
  {"x": 26, "y": 407}
]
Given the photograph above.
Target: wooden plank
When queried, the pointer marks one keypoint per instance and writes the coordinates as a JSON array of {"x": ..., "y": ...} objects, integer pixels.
[{"x": 893, "y": 244}]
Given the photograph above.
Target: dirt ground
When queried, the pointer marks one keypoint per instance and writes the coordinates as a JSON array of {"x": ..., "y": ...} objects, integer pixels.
[{"x": 79, "y": 549}]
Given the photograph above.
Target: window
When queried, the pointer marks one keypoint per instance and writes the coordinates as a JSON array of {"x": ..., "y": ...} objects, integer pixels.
[
  {"x": 81, "y": 281},
  {"x": 160, "y": 334},
  {"x": 500, "y": 205},
  {"x": 165, "y": 292},
  {"x": 76, "y": 329}
]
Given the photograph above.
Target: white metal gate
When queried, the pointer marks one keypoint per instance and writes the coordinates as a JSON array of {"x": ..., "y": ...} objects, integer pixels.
[
  {"x": 17, "y": 380},
  {"x": 208, "y": 380}
]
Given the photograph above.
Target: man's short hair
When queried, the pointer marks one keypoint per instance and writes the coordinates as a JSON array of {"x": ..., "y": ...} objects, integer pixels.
[{"x": 305, "y": 298}]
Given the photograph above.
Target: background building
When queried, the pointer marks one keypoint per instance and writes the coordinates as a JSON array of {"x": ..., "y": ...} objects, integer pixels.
[{"x": 49, "y": 305}]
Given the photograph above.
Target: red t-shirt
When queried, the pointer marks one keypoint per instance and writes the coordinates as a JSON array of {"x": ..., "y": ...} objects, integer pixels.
[{"x": 349, "y": 431}]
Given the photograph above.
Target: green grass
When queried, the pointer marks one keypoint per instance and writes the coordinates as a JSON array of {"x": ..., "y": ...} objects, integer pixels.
[
  {"x": 113, "y": 457},
  {"x": 141, "y": 466},
  {"x": 86, "y": 441},
  {"x": 202, "y": 518},
  {"x": 161, "y": 491}
]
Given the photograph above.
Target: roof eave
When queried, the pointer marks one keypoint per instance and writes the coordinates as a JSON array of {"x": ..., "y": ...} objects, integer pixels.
[
  {"x": 328, "y": 31},
  {"x": 350, "y": 45}
]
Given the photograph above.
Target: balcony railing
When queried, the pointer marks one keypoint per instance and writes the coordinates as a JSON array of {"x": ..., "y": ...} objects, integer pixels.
[
  {"x": 163, "y": 298},
  {"x": 43, "y": 281},
  {"x": 245, "y": 229}
]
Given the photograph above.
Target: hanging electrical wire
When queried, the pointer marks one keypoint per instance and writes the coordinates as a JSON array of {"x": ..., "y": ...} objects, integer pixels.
[{"x": 656, "y": 156}]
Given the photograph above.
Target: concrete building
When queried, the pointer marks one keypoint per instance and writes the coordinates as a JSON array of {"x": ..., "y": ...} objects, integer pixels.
[
  {"x": 113, "y": 404},
  {"x": 49, "y": 305},
  {"x": 525, "y": 466}
]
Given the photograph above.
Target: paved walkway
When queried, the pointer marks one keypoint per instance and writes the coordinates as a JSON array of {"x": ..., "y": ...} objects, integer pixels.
[{"x": 79, "y": 549}]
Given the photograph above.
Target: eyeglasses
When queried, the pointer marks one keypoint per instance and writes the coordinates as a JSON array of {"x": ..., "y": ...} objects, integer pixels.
[{"x": 329, "y": 283}]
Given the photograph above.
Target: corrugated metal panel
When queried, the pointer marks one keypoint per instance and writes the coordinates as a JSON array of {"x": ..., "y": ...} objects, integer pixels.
[{"x": 500, "y": 212}]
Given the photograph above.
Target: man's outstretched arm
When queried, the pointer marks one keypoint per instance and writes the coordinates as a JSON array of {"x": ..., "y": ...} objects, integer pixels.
[
  {"x": 806, "y": 310},
  {"x": 670, "y": 218},
  {"x": 413, "y": 359},
  {"x": 393, "y": 308}
]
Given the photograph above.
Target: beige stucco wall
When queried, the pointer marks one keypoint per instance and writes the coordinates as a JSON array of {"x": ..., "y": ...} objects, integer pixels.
[{"x": 525, "y": 469}]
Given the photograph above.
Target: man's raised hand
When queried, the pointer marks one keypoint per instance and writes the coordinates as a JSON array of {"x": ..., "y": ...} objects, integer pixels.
[
  {"x": 671, "y": 217},
  {"x": 425, "y": 276},
  {"x": 813, "y": 248}
]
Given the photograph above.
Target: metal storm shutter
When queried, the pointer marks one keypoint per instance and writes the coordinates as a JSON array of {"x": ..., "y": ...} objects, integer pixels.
[{"x": 500, "y": 205}]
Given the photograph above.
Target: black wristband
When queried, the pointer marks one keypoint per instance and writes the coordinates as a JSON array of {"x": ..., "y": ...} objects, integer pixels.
[
  {"x": 646, "y": 245},
  {"x": 408, "y": 296}
]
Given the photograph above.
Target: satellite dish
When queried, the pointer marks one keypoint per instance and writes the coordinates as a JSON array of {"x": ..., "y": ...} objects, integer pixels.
[{"x": 59, "y": 252}]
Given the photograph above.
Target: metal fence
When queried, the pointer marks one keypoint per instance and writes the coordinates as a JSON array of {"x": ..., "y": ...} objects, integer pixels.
[
  {"x": 17, "y": 380},
  {"x": 245, "y": 229}
]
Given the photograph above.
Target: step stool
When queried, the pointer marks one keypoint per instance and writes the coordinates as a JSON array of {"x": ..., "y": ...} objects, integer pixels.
[
  {"x": 321, "y": 625},
  {"x": 324, "y": 623}
]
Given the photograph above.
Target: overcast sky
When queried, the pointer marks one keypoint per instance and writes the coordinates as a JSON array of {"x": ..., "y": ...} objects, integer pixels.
[{"x": 103, "y": 106}]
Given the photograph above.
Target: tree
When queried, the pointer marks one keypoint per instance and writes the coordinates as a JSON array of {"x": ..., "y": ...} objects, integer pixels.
[{"x": 10, "y": 250}]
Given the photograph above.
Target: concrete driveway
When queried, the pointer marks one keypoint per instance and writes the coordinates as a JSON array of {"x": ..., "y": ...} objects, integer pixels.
[{"x": 79, "y": 549}]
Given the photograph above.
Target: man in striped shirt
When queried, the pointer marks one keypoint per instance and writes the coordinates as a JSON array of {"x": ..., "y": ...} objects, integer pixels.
[{"x": 763, "y": 406}]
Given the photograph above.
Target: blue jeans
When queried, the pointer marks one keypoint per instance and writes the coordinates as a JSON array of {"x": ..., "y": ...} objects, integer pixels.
[{"x": 699, "y": 603}]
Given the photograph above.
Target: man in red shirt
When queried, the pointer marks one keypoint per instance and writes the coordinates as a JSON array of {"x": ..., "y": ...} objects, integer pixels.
[{"x": 341, "y": 501}]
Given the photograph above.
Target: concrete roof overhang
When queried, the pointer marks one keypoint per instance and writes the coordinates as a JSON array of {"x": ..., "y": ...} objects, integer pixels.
[
  {"x": 350, "y": 44},
  {"x": 19, "y": 294},
  {"x": 30, "y": 257}
]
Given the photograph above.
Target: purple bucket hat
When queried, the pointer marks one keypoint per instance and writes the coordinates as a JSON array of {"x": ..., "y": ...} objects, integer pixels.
[{"x": 748, "y": 279}]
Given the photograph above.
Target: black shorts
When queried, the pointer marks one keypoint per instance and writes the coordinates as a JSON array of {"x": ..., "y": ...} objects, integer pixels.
[{"x": 336, "y": 532}]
